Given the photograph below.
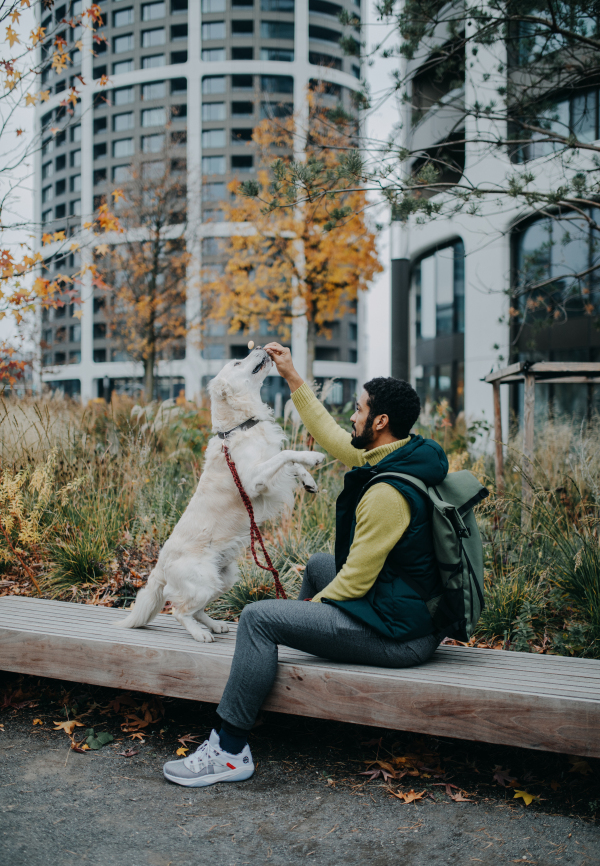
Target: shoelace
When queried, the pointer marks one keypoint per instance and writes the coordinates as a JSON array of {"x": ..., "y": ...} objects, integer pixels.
[{"x": 202, "y": 754}]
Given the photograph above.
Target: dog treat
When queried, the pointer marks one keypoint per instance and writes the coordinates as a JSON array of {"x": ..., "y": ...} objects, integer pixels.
[{"x": 251, "y": 344}]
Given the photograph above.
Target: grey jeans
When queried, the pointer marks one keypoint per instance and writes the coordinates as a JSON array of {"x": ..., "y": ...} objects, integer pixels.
[{"x": 319, "y": 629}]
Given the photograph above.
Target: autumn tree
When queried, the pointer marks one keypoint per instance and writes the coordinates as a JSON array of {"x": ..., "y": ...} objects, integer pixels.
[
  {"x": 24, "y": 286},
  {"x": 145, "y": 272},
  {"x": 307, "y": 259}
]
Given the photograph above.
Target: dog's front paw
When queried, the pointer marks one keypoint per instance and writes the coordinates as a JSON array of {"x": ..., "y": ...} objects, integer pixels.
[
  {"x": 311, "y": 458},
  {"x": 219, "y": 627},
  {"x": 203, "y": 636},
  {"x": 312, "y": 487}
]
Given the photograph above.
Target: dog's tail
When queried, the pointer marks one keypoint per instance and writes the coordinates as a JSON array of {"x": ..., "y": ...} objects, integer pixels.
[{"x": 149, "y": 601}]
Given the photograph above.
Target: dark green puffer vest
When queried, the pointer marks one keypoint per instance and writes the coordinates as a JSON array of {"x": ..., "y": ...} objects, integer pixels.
[{"x": 395, "y": 606}]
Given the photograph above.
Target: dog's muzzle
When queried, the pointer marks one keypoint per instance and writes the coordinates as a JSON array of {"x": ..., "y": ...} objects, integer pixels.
[{"x": 260, "y": 366}]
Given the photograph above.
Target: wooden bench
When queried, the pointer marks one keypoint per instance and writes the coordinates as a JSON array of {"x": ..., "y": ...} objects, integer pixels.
[{"x": 517, "y": 699}]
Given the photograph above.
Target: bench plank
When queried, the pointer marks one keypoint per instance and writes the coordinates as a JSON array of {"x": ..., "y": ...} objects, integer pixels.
[{"x": 520, "y": 699}]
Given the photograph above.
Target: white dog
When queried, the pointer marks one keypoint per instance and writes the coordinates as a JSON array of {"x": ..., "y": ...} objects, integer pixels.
[{"x": 198, "y": 562}]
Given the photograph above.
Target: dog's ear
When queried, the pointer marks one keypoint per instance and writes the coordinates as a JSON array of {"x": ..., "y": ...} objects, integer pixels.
[{"x": 219, "y": 387}]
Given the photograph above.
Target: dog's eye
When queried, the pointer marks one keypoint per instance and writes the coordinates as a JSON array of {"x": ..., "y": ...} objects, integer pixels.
[{"x": 237, "y": 363}]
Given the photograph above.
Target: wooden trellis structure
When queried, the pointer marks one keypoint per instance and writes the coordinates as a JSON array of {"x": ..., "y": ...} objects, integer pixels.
[{"x": 542, "y": 372}]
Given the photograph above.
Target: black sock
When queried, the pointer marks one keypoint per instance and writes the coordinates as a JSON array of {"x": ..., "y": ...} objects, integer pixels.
[{"x": 232, "y": 739}]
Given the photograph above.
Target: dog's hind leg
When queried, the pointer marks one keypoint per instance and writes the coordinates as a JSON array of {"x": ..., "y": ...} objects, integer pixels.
[{"x": 228, "y": 575}]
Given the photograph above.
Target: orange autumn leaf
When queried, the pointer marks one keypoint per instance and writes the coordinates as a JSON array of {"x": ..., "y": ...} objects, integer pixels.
[{"x": 408, "y": 797}]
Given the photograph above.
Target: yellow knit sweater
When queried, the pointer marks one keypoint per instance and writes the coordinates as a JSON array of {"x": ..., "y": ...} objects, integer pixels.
[{"x": 383, "y": 514}]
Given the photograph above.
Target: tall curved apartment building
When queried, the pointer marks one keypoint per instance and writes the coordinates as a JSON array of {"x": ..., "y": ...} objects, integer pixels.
[
  {"x": 453, "y": 280},
  {"x": 202, "y": 72}
]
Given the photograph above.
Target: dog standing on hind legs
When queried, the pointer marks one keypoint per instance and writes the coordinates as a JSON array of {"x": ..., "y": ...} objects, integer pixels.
[{"x": 198, "y": 562}]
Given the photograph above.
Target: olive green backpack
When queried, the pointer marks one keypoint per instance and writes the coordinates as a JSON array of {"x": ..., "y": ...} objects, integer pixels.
[{"x": 458, "y": 550}]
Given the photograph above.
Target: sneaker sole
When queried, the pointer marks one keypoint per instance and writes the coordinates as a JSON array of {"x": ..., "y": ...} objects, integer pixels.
[{"x": 204, "y": 781}]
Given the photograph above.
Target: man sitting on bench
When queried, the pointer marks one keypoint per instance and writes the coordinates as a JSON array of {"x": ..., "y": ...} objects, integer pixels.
[{"x": 370, "y": 599}]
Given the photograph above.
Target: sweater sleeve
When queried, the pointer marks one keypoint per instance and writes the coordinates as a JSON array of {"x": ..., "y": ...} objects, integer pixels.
[
  {"x": 319, "y": 423},
  {"x": 382, "y": 517}
]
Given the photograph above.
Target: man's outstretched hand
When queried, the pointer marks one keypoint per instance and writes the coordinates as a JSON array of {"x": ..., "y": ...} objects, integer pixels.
[{"x": 282, "y": 358}]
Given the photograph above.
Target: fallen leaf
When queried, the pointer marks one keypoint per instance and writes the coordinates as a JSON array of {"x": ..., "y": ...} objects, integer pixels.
[
  {"x": 579, "y": 766},
  {"x": 458, "y": 798},
  {"x": 101, "y": 739},
  {"x": 38, "y": 722},
  {"x": 527, "y": 797},
  {"x": 68, "y": 727},
  {"x": 182, "y": 751},
  {"x": 129, "y": 753},
  {"x": 554, "y": 785},
  {"x": 409, "y": 797},
  {"x": 503, "y": 777}
]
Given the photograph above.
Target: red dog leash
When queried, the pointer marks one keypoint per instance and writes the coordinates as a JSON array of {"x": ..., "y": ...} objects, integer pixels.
[{"x": 254, "y": 530}]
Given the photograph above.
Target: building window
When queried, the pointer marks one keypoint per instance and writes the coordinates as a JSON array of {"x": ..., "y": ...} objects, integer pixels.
[
  {"x": 123, "y": 95},
  {"x": 47, "y": 170},
  {"x": 213, "y": 138},
  {"x": 178, "y": 85},
  {"x": 75, "y": 183},
  {"x": 123, "y": 17},
  {"x": 99, "y": 176},
  {"x": 213, "y": 84},
  {"x": 213, "y": 191},
  {"x": 578, "y": 116},
  {"x": 441, "y": 293},
  {"x": 276, "y": 84},
  {"x": 153, "y": 61},
  {"x": 123, "y": 43},
  {"x": 242, "y": 27},
  {"x": 122, "y": 67},
  {"x": 99, "y": 331},
  {"x": 242, "y": 82},
  {"x": 154, "y": 117},
  {"x": 213, "y": 55},
  {"x": 47, "y": 215},
  {"x": 76, "y": 132},
  {"x": 100, "y": 125},
  {"x": 277, "y": 5},
  {"x": 75, "y": 333},
  {"x": 47, "y": 194},
  {"x": 318, "y": 59},
  {"x": 213, "y": 165},
  {"x": 152, "y": 143},
  {"x": 152, "y": 11},
  {"x": 123, "y": 147},
  {"x": 152, "y": 38},
  {"x": 209, "y": 6},
  {"x": 123, "y": 122},
  {"x": 558, "y": 250},
  {"x": 75, "y": 207},
  {"x": 242, "y": 109},
  {"x": 99, "y": 356},
  {"x": 179, "y": 32},
  {"x": 285, "y": 55},
  {"x": 323, "y": 34},
  {"x": 242, "y": 163},
  {"x": 277, "y": 29},
  {"x": 121, "y": 173},
  {"x": 213, "y": 30},
  {"x": 154, "y": 90},
  {"x": 75, "y": 159},
  {"x": 241, "y": 136},
  {"x": 278, "y": 109},
  {"x": 213, "y": 110},
  {"x": 178, "y": 6},
  {"x": 75, "y": 357},
  {"x": 242, "y": 53}
]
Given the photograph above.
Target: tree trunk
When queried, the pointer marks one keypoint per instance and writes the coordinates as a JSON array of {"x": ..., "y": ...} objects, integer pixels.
[
  {"x": 311, "y": 338},
  {"x": 149, "y": 376}
]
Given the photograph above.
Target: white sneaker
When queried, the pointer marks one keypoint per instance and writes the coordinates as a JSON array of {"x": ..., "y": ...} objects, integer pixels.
[{"x": 210, "y": 764}]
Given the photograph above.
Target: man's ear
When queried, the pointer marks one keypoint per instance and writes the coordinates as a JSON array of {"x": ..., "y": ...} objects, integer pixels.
[{"x": 382, "y": 422}]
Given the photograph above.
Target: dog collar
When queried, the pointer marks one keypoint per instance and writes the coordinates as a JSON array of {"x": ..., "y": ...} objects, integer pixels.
[{"x": 252, "y": 422}]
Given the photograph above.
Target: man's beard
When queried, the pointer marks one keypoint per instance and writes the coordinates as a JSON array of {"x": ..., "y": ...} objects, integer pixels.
[{"x": 366, "y": 437}]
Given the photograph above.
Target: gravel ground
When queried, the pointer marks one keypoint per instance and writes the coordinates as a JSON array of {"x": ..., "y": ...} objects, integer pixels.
[{"x": 306, "y": 802}]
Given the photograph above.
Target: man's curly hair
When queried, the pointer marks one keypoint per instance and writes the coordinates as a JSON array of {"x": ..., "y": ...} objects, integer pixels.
[{"x": 396, "y": 399}]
